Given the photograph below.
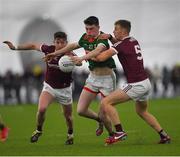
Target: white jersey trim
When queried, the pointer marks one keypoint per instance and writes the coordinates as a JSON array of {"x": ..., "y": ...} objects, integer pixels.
[
  {"x": 101, "y": 44},
  {"x": 116, "y": 52}
]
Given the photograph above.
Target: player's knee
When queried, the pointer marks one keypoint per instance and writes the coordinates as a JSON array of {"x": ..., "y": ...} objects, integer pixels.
[
  {"x": 42, "y": 110},
  {"x": 142, "y": 114},
  {"x": 101, "y": 115},
  {"x": 104, "y": 106},
  {"x": 103, "y": 102},
  {"x": 80, "y": 112}
]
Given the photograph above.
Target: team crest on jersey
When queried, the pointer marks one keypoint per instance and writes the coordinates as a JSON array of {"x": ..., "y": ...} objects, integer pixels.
[{"x": 91, "y": 46}]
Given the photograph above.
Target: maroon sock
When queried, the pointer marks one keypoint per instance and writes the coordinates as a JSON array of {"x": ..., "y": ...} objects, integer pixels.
[
  {"x": 162, "y": 134},
  {"x": 70, "y": 131},
  {"x": 39, "y": 128},
  {"x": 118, "y": 128}
]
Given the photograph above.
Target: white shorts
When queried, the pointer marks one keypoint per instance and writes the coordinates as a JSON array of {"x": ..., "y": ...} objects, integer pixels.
[
  {"x": 101, "y": 84},
  {"x": 63, "y": 95},
  {"x": 138, "y": 91}
]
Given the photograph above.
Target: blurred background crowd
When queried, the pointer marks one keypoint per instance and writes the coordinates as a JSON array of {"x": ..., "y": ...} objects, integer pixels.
[{"x": 23, "y": 89}]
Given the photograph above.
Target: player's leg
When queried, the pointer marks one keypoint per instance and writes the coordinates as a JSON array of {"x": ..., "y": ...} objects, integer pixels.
[
  {"x": 141, "y": 109},
  {"x": 108, "y": 104},
  {"x": 67, "y": 110},
  {"x": 108, "y": 110},
  {"x": 4, "y": 131},
  {"x": 85, "y": 100},
  {"x": 107, "y": 84},
  {"x": 86, "y": 97},
  {"x": 105, "y": 122},
  {"x": 64, "y": 97},
  {"x": 44, "y": 100}
]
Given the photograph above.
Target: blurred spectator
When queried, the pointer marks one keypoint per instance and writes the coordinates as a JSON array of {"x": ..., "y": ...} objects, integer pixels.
[
  {"x": 17, "y": 87},
  {"x": 28, "y": 80},
  {"x": 1, "y": 90},
  {"x": 149, "y": 73},
  {"x": 8, "y": 86},
  {"x": 156, "y": 78},
  {"x": 166, "y": 78},
  {"x": 38, "y": 78},
  {"x": 175, "y": 79}
]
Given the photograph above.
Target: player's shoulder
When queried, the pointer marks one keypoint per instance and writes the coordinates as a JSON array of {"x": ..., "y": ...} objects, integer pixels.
[
  {"x": 132, "y": 39},
  {"x": 104, "y": 41},
  {"x": 122, "y": 42},
  {"x": 118, "y": 43},
  {"x": 84, "y": 36},
  {"x": 126, "y": 40},
  {"x": 47, "y": 48}
]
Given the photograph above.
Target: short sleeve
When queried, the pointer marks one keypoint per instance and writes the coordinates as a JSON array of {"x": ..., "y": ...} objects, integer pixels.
[
  {"x": 81, "y": 40},
  {"x": 44, "y": 48},
  {"x": 117, "y": 47}
]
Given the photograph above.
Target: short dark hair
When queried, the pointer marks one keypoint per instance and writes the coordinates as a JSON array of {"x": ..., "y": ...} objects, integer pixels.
[
  {"x": 124, "y": 24},
  {"x": 62, "y": 35},
  {"x": 92, "y": 20}
]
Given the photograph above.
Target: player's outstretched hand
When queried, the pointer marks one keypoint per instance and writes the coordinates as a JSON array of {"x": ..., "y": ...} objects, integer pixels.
[
  {"x": 49, "y": 57},
  {"x": 10, "y": 45}
]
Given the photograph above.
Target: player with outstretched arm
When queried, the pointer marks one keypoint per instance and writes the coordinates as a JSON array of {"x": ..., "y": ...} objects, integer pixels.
[
  {"x": 137, "y": 87},
  {"x": 57, "y": 85}
]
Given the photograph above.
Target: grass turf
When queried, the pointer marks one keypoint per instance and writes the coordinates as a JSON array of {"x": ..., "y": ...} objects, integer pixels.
[{"x": 142, "y": 140}]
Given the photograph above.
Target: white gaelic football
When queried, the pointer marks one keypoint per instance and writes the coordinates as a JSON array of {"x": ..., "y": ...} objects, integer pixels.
[{"x": 66, "y": 64}]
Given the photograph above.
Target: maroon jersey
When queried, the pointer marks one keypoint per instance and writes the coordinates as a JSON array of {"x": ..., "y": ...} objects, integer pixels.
[
  {"x": 53, "y": 75},
  {"x": 129, "y": 54}
]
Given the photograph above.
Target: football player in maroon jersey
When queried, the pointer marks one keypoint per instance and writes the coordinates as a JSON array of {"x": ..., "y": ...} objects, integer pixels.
[
  {"x": 137, "y": 87},
  {"x": 57, "y": 84},
  {"x": 101, "y": 79}
]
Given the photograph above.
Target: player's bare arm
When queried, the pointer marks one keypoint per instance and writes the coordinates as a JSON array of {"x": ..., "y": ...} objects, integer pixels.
[
  {"x": 73, "y": 55},
  {"x": 108, "y": 36},
  {"x": 26, "y": 46},
  {"x": 67, "y": 48},
  {"x": 90, "y": 55},
  {"x": 105, "y": 55}
]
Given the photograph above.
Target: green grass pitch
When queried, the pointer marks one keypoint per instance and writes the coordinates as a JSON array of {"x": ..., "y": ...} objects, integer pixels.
[{"x": 142, "y": 140}]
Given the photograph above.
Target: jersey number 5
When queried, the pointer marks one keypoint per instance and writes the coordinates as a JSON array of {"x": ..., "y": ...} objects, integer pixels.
[{"x": 138, "y": 52}]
